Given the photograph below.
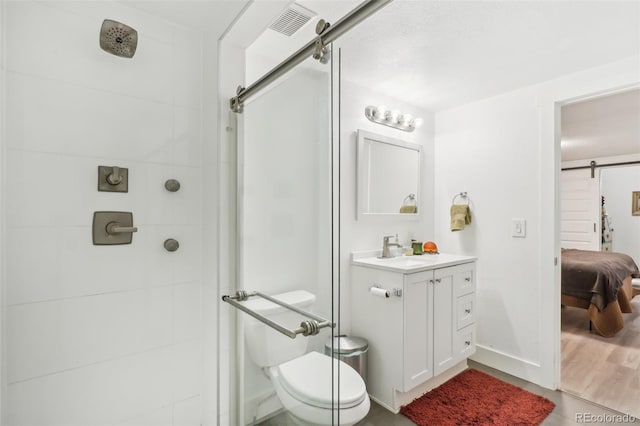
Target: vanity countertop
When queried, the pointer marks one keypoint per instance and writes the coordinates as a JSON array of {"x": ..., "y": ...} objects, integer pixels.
[{"x": 408, "y": 264}]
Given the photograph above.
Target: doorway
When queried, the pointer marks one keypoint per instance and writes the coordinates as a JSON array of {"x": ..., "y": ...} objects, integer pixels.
[{"x": 600, "y": 147}]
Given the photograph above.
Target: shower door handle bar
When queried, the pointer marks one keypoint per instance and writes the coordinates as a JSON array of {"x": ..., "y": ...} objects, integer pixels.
[
  {"x": 306, "y": 328},
  {"x": 290, "y": 307}
]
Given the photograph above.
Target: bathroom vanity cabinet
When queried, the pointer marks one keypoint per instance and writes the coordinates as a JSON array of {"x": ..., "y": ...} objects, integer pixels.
[{"x": 421, "y": 334}]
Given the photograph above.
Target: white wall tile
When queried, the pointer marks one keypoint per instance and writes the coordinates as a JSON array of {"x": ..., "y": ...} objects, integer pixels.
[
  {"x": 68, "y": 265},
  {"x": 146, "y": 25},
  {"x": 79, "y": 59},
  {"x": 98, "y": 394},
  {"x": 90, "y": 327},
  {"x": 159, "y": 264},
  {"x": 187, "y": 203},
  {"x": 183, "y": 207},
  {"x": 187, "y": 137},
  {"x": 187, "y": 312},
  {"x": 60, "y": 190},
  {"x": 43, "y": 338},
  {"x": 54, "y": 116},
  {"x": 225, "y": 381},
  {"x": 187, "y": 48},
  {"x": 160, "y": 417},
  {"x": 188, "y": 258},
  {"x": 186, "y": 369},
  {"x": 187, "y": 413}
]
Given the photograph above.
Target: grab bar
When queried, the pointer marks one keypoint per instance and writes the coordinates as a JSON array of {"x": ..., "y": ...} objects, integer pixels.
[{"x": 307, "y": 328}]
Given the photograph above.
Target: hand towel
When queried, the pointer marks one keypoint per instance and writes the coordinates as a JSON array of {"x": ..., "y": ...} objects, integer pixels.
[
  {"x": 409, "y": 209},
  {"x": 460, "y": 216}
]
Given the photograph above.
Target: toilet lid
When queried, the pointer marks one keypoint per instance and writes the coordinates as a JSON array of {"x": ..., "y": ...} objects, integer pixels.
[{"x": 308, "y": 380}]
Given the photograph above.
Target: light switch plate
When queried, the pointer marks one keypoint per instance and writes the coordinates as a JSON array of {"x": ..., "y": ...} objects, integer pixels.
[{"x": 518, "y": 228}]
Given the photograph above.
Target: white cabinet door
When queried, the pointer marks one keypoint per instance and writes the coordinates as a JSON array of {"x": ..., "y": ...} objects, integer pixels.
[
  {"x": 418, "y": 337},
  {"x": 444, "y": 355}
]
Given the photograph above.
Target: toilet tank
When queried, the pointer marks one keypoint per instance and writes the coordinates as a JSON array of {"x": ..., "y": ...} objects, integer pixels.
[{"x": 266, "y": 346}]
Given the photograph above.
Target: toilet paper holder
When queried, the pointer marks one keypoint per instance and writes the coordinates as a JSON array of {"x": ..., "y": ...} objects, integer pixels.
[{"x": 395, "y": 291}]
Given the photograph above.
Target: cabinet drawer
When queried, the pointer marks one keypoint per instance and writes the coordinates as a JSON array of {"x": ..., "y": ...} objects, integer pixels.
[
  {"x": 464, "y": 282},
  {"x": 465, "y": 311},
  {"x": 465, "y": 342}
]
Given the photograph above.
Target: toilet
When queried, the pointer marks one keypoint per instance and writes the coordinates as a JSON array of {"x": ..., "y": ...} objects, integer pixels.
[{"x": 301, "y": 379}]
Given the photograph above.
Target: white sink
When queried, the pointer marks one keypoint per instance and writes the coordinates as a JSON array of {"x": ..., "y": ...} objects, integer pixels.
[{"x": 408, "y": 263}]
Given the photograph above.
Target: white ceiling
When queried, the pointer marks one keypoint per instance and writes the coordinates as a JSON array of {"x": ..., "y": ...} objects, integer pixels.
[{"x": 439, "y": 54}]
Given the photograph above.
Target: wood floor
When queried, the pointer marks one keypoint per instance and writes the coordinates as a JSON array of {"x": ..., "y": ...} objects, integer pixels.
[{"x": 605, "y": 370}]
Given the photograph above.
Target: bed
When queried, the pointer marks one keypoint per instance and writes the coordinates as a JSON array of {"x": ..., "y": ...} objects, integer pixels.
[{"x": 601, "y": 283}]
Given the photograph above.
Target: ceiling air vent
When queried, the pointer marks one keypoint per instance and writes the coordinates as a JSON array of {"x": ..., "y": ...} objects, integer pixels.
[{"x": 292, "y": 19}]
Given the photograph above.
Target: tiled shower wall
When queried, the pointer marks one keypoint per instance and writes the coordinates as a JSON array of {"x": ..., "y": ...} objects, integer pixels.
[{"x": 101, "y": 334}]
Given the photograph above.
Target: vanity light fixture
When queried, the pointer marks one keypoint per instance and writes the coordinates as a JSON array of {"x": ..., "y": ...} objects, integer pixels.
[{"x": 392, "y": 118}]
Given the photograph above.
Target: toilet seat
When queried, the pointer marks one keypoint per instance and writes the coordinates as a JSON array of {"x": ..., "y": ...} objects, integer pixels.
[{"x": 306, "y": 379}]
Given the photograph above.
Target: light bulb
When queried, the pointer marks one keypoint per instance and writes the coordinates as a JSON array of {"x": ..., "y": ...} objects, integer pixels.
[
  {"x": 370, "y": 111},
  {"x": 405, "y": 119},
  {"x": 381, "y": 111},
  {"x": 392, "y": 116}
]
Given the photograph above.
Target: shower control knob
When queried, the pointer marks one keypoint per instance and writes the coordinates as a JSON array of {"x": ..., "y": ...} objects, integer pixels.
[
  {"x": 114, "y": 178},
  {"x": 171, "y": 245},
  {"x": 172, "y": 185}
]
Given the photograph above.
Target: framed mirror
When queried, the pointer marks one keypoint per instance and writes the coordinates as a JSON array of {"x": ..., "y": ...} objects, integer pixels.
[{"x": 389, "y": 172}]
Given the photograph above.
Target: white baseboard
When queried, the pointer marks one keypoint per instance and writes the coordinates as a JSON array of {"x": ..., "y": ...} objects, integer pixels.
[{"x": 522, "y": 368}]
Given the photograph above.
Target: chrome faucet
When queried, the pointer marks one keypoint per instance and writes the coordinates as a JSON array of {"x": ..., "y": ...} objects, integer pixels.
[{"x": 386, "y": 245}]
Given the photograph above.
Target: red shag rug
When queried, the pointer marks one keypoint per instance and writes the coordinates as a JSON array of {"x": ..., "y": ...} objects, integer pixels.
[{"x": 475, "y": 398}]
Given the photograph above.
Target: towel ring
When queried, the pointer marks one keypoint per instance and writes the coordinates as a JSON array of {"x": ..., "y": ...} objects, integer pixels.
[
  {"x": 461, "y": 195},
  {"x": 409, "y": 200}
]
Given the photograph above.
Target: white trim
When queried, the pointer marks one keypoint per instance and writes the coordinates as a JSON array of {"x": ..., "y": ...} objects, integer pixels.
[
  {"x": 510, "y": 364},
  {"x": 609, "y": 78}
]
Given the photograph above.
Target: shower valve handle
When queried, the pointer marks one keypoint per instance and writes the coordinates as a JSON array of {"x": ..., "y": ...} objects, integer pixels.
[
  {"x": 115, "y": 228},
  {"x": 114, "y": 178}
]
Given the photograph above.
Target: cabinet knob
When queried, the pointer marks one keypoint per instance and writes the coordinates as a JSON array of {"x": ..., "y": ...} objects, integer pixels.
[
  {"x": 467, "y": 279},
  {"x": 467, "y": 342},
  {"x": 438, "y": 280},
  {"x": 467, "y": 311}
]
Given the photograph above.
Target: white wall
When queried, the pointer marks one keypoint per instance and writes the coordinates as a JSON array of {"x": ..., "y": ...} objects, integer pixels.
[
  {"x": 505, "y": 152},
  {"x": 367, "y": 233},
  {"x": 616, "y": 185},
  {"x": 101, "y": 334}
]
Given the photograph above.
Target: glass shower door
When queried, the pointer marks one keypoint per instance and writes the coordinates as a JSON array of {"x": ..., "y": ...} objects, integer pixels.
[{"x": 286, "y": 247}]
